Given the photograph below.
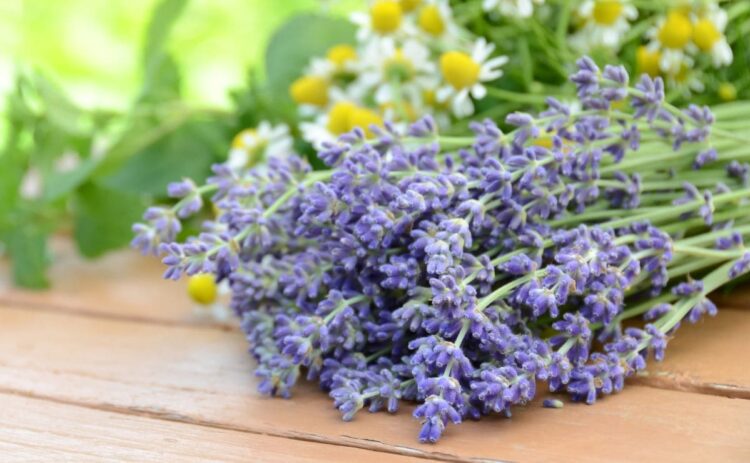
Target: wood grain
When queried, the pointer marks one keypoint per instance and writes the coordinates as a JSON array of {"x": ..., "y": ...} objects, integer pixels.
[
  {"x": 192, "y": 375},
  {"x": 710, "y": 357},
  {"x": 122, "y": 284},
  {"x": 40, "y": 430}
]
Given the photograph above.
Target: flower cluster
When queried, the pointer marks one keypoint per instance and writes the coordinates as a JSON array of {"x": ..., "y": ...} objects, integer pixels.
[
  {"x": 460, "y": 272},
  {"x": 683, "y": 36},
  {"x": 410, "y": 58}
]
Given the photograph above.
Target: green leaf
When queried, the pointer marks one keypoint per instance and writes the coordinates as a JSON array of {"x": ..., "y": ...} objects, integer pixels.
[
  {"x": 187, "y": 151},
  {"x": 103, "y": 218},
  {"x": 12, "y": 167},
  {"x": 161, "y": 79},
  {"x": 299, "y": 39},
  {"x": 59, "y": 184},
  {"x": 160, "y": 26},
  {"x": 27, "y": 247}
]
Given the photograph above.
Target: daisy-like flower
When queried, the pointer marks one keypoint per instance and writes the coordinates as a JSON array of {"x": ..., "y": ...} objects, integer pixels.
[
  {"x": 464, "y": 74},
  {"x": 435, "y": 21},
  {"x": 252, "y": 146},
  {"x": 310, "y": 90},
  {"x": 605, "y": 22},
  {"x": 384, "y": 20},
  {"x": 340, "y": 61},
  {"x": 515, "y": 8},
  {"x": 708, "y": 35},
  {"x": 208, "y": 296},
  {"x": 672, "y": 39},
  {"x": 647, "y": 61},
  {"x": 396, "y": 73},
  {"x": 342, "y": 117}
]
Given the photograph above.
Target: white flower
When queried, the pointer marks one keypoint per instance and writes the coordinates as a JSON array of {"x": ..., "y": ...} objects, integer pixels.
[
  {"x": 606, "y": 21},
  {"x": 340, "y": 60},
  {"x": 435, "y": 22},
  {"x": 515, "y": 8},
  {"x": 396, "y": 73},
  {"x": 253, "y": 145},
  {"x": 342, "y": 117},
  {"x": 708, "y": 35},
  {"x": 671, "y": 38},
  {"x": 464, "y": 74},
  {"x": 383, "y": 21}
]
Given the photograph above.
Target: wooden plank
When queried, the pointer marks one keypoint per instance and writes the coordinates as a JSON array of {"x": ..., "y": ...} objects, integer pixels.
[
  {"x": 203, "y": 376},
  {"x": 122, "y": 284},
  {"x": 710, "y": 357},
  {"x": 41, "y": 430}
]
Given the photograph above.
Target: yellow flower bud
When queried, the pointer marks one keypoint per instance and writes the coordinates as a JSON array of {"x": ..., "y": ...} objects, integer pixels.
[
  {"x": 409, "y": 5},
  {"x": 607, "y": 11},
  {"x": 459, "y": 69},
  {"x": 339, "y": 117},
  {"x": 340, "y": 54},
  {"x": 705, "y": 34},
  {"x": 202, "y": 288},
  {"x": 363, "y": 118},
  {"x": 386, "y": 16},
  {"x": 647, "y": 61},
  {"x": 431, "y": 21},
  {"x": 312, "y": 90},
  {"x": 676, "y": 30},
  {"x": 727, "y": 91}
]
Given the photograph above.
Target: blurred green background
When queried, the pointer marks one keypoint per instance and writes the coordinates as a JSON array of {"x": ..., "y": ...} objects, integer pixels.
[{"x": 91, "y": 47}]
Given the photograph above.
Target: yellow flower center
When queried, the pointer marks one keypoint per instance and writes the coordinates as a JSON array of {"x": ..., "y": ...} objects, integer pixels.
[
  {"x": 647, "y": 61},
  {"x": 705, "y": 34},
  {"x": 340, "y": 54},
  {"x": 385, "y": 16},
  {"x": 607, "y": 12},
  {"x": 727, "y": 91},
  {"x": 401, "y": 111},
  {"x": 409, "y": 5},
  {"x": 312, "y": 90},
  {"x": 345, "y": 116},
  {"x": 363, "y": 118},
  {"x": 339, "y": 117},
  {"x": 459, "y": 69},
  {"x": 202, "y": 288},
  {"x": 398, "y": 67},
  {"x": 240, "y": 140},
  {"x": 676, "y": 30},
  {"x": 431, "y": 21}
]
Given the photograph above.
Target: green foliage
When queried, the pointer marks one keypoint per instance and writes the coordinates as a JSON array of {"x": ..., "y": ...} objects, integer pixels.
[
  {"x": 186, "y": 151},
  {"x": 103, "y": 218},
  {"x": 295, "y": 42}
]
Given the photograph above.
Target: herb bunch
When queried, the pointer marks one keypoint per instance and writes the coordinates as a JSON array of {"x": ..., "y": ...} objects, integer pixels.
[{"x": 459, "y": 272}]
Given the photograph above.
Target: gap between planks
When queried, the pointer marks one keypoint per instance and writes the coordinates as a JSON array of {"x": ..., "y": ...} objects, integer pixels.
[
  {"x": 371, "y": 445},
  {"x": 44, "y": 354},
  {"x": 93, "y": 434},
  {"x": 660, "y": 376}
]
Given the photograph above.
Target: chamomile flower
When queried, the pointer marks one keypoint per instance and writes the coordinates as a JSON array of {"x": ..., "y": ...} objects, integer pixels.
[
  {"x": 647, "y": 61},
  {"x": 396, "y": 73},
  {"x": 384, "y": 20},
  {"x": 207, "y": 296},
  {"x": 251, "y": 146},
  {"x": 342, "y": 117},
  {"x": 708, "y": 35},
  {"x": 672, "y": 39},
  {"x": 514, "y": 8},
  {"x": 605, "y": 22},
  {"x": 463, "y": 75},
  {"x": 435, "y": 21},
  {"x": 340, "y": 61}
]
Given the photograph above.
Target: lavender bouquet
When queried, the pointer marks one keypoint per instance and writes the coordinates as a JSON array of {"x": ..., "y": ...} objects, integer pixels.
[{"x": 459, "y": 272}]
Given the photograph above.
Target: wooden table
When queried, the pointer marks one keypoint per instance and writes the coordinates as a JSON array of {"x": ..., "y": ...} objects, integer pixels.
[{"x": 113, "y": 364}]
